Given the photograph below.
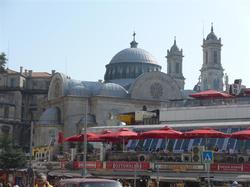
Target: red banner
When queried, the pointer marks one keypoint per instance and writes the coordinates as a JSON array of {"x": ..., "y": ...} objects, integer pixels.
[
  {"x": 128, "y": 166},
  {"x": 228, "y": 167},
  {"x": 90, "y": 165},
  {"x": 246, "y": 167}
]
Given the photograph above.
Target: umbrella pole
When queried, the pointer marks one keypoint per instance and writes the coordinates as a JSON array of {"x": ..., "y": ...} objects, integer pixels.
[
  {"x": 206, "y": 147},
  {"x": 123, "y": 145}
]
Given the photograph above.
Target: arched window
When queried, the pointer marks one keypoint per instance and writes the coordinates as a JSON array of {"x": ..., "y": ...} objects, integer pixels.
[
  {"x": 205, "y": 84},
  {"x": 169, "y": 67},
  {"x": 215, "y": 57},
  {"x": 206, "y": 57},
  {"x": 177, "y": 68},
  {"x": 216, "y": 84}
]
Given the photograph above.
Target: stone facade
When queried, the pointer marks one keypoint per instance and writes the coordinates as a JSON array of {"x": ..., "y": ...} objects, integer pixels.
[
  {"x": 133, "y": 80},
  {"x": 212, "y": 71},
  {"x": 21, "y": 94},
  {"x": 174, "y": 65}
]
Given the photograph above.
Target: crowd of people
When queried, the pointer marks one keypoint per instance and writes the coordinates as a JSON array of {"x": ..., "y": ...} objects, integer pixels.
[{"x": 40, "y": 181}]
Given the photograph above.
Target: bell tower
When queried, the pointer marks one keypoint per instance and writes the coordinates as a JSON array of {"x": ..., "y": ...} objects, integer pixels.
[
  {"x": 212, "y": 71},
  {"x": 174, "y": 64}
]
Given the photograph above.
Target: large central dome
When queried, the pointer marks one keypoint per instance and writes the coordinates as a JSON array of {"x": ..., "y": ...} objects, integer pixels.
[
  {"x": 133, "y": 55},
  {"x": 128, "y": 64}
]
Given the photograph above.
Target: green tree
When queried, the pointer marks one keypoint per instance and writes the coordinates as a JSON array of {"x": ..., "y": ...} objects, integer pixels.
[
  {"x": 3, "y": 61},
  {"x": 10, "y": 156}
]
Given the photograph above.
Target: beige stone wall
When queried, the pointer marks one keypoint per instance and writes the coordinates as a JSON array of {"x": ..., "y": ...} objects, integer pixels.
[
  {"x": 155, "y": 86},
  {"x": 106, "y": 108},
  {"x": 13, "y": 101},
  {"x": 44, "y": 134},
  {"x": 73, "y": 111}
]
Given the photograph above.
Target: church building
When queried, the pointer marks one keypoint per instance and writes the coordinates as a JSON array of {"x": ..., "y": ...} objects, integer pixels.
[{"x": 133, "y": 80}]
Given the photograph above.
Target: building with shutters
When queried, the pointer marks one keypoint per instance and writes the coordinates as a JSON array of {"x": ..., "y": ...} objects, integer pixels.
[{"x": 21, "y": 96}]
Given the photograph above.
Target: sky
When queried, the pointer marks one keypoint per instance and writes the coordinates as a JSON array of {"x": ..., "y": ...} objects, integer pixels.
[{"x": 80, "y": 37}]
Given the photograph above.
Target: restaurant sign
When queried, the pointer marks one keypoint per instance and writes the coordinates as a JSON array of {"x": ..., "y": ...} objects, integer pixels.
[
  {"x": 127, "y": 166},
  {"x": 179, "y": 167},
  {"x": 230, "y": 167},
  {"x": 90, "y": 165}
]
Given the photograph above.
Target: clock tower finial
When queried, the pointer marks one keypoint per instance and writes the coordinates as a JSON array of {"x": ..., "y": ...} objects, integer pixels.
[
  {"x": 133, "y": 44},
  {"x": 212, "y": 27}
]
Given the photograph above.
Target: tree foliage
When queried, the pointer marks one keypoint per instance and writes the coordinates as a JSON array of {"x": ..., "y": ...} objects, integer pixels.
[
  {"x": 3, "y": 61},
  {"x": 10, "y": 156}
]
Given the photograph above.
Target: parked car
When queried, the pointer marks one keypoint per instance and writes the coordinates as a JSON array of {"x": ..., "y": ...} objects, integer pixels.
[{"x": 88, "y": 182}]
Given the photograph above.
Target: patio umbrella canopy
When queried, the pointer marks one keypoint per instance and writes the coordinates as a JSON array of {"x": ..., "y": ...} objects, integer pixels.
[
  {"x": 119, "y": 136},
  {"x": 205, "y": 133},
  {"x": 210, "y": 94},
  {"x": 163, "y": 133},
  {"x": 80, "y": 137},
  {"x": 242, "y": 135},
  {"x": 123, "y": 133},
  {"x": 97, "y": 137}
]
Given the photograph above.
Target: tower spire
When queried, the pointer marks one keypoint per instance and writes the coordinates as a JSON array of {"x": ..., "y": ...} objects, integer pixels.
[
  {"x": 212, "y": 27},
  {"x": 133, "y": 44},
  {"x": 174, "y": 40}
]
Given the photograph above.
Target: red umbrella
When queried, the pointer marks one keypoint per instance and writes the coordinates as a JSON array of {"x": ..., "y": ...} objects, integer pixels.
[
  {"x": 123, "y": 133},
  {"x": 242, "y": 135},
  {"x": 204, "y": 133},
  {"x": 80, "y": 137},
  {"x": 210, "y": 94},
  {"x": 119, "y": 136},
  {"x": 164, "y": 132},
  {"x": 97, "y": 138}
]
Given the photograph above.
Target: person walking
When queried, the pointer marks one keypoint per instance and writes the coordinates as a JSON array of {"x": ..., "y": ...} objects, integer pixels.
[{"x": 41, "y": 181}]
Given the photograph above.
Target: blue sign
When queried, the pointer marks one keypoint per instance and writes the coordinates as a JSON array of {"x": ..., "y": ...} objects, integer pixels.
[{"x": 207, "y": 157}]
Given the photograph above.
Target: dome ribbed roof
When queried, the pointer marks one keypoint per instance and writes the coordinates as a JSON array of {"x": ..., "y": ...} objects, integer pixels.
[
  {"x": 134, "y": 55},
  {"x": 111, "y": 89}
]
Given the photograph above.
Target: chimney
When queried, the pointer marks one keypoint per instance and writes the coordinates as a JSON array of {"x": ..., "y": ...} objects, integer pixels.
[
  {"x": 30, "y": 73},
  {"x": 21, "y": 69},
  {"x": 25, "y": 72},
  {"x": 53, "y": 72}
]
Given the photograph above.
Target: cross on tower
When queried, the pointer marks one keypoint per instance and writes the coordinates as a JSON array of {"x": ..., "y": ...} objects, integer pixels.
[{"x": 134, "y": 36}]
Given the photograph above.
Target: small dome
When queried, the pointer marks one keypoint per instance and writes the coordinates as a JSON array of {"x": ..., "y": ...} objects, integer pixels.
[
  {"x": 174, "y": 47},
  {"x": 83, "y": 88},
  {"x": 211, "y": 35},
  {"x": 134, "y": 55},
  {"x": 80, "y": 91},
  {"x": 113, "y": 90},
  {"x": 51, "y": 116}
]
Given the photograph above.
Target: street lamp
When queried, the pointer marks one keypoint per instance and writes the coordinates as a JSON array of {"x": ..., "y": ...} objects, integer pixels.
[
  {"x": 84, "y": 172},
  {"x": 30, "y": 170},
  {"x": 157, "y": 177},
  {"x": 136, "y": 167},
  {"x": 135, "y": 175}
]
